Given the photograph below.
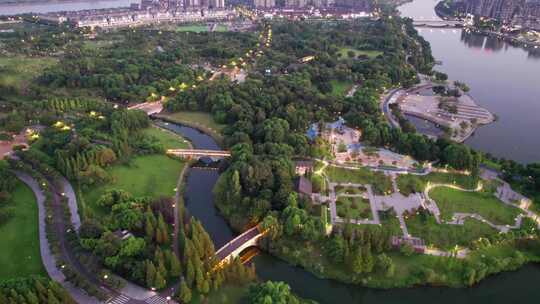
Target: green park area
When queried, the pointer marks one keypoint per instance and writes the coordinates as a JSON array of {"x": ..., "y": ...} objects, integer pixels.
[
  {"x": 346, "y": 52},
  {"x": 381, "y": 183},
  {"x": 408, "y": 183},
  {"x": 485, "y": 204},
  {"x": 340, "y": 88},
  {"x": 356, "y": 208},
  {"x": 445, "y": 236},
  {"x": 16, "y": 72},
  {"x": 19, "y": 237},
  {"x": 199, "y": 28},
  {"x": 148, "y": 175}
]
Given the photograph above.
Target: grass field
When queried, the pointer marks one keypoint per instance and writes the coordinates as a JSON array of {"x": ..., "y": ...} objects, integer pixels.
[
  {"x": 353, "y": 208},
  {"x": 340, "y": 88},
  {"x": 16, "y": 72},
  {"x": 168, "y": 139},
  {"x": 446, "y": 236},
  {"x": 19, "y": 238},
  {"x": 408, "y": 184},
  {"x": 199, "y": 28},
  {"x": 378, "y": 180},
  {"x": 487, "y": 205},
  {"x": 148, "y": 175},
  {"x": 343, "y": 53}
]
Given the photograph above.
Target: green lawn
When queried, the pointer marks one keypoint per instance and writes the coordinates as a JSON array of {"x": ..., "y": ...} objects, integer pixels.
[
  {"x": 408, "y": 184},
  {"x": 354, "y": 208},
  {"x": 486, "y": 204},
  {"x": 340, "y": 88},
  {"x": 380, "y": 182},
  {"x": 149, "y": 175},
  {"x": 343, "y": 53},
  {"x": 18, "y": 71},
  {"x": 199, "y": 28},
  {"x": 19, "y": 238},
  {"x": 168, "y": 139},
  {"x": 446, "y": 236}
]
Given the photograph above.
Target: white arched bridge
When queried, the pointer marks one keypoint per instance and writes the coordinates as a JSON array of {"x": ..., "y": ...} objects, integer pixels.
[
  {"x": 149, "y": 107},
  {"x": 196, "y": 153},
  {"x": 242, "y": 242},
  {"x": 439, "y": 23}
]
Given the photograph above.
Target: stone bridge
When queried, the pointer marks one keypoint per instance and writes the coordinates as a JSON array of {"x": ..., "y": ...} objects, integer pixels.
[
  {"x": 233, "y": 248},
  {"x": 149, "y": 107},
  {"x": 196, "y": 154}
]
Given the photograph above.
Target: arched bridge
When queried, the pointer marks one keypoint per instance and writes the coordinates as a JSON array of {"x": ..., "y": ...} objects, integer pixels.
[
  {"x": 233, "y": 248},
  {"x": 439, "y": 23},
  {"x": 148, "y": 107},
  {"x": 196, "y": 154}
]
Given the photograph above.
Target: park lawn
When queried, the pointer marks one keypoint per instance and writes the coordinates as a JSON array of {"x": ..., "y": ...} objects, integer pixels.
[
  {"x": 408, "y": 183},
  {"x": 353, "y": 207},
  {"x": 19, "y": 237},
  {"x": 379, "y": 182},
  {"x": 193, "y": 28},
  {"x": 340, "y": 88},
  {"x": 487, "y": 205},
  {"x": 168, "y": 139},
  {"x": 445, "y": 236},
  {"x": 148, "y": 176},
  {"x": 343, "y": 53},
  {"x": 18, "y": 71}
]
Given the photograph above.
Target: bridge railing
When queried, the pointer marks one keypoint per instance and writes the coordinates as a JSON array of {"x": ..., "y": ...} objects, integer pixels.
[{"x": 236, "y": 238}]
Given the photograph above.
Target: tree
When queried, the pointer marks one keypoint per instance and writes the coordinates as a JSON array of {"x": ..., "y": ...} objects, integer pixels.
[
  {"x": 150, "y": 274},
  {"x": 271, "y": 292},
  {"x": 385, "y": 264},
  {"x": 185, "y": 293},
  {"x": 159, "y": 281}
]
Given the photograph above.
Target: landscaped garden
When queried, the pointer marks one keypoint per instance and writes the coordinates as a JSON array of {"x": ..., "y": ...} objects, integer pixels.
[
  {"x": 346, "y": 52},
  {"x": 381, "y": 183},
  {"x": 356, "y": 208},
  {"x": 408, "y": 183},
  {"x": 19, "y": 237},
  {"x": 485, "y": 204},
  {"x": 447, "y": 236}
]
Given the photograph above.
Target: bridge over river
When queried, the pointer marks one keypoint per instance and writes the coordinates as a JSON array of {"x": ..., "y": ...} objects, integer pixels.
[{"x": 233, "y": 248}]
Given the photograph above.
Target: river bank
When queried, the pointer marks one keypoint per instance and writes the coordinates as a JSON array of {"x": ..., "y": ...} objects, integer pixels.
[{"x": 516, "y": 286}]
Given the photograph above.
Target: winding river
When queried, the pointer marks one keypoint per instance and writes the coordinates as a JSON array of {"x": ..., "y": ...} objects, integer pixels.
[
  {"x": 503, "y": 79},
  {"x": 519, "y": 286}
]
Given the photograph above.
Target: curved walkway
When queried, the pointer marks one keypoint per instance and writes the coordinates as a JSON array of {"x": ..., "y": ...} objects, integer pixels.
[
  {"x": 48, "y": 259},
  {"x": 458, "y": 218}
]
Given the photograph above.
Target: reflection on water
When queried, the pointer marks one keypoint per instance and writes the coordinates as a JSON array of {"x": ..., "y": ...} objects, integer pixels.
[{"x": 503, "y": 79}]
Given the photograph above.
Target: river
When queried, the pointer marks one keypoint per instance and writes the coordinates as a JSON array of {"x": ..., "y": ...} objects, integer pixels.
[
  {"x": 519, "y": 286},
  {"x": 53, "y": 6},
  {"x": 503, "y": 79}
]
